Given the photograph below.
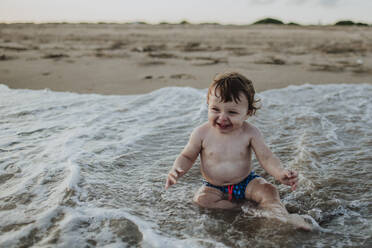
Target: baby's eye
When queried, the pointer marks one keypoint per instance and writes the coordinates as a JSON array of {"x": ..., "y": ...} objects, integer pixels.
[
  {"x": 215, "y": 109},
  {"x": 232, "y": 112}
]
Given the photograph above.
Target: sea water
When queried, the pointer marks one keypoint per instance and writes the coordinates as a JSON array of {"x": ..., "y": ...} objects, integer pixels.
[{"x": 86, "y": 170}]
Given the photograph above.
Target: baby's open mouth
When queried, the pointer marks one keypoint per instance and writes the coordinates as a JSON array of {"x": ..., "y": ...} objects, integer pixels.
[{"x": 223, "y": 126}]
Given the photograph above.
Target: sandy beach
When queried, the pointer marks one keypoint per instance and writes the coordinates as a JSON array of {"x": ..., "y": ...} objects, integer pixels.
[{"x": 139, "y": 58}]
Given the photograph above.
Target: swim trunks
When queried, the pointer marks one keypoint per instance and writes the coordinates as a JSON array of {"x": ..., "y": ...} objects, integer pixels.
[{"x": 236, "y": 190}]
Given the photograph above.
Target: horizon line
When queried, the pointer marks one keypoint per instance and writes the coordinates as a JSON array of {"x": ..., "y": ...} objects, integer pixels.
[{"x": 187, "y": 22}]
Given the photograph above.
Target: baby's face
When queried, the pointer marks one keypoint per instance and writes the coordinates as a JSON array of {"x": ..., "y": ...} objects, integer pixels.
[{"x": 227, "y": 116}]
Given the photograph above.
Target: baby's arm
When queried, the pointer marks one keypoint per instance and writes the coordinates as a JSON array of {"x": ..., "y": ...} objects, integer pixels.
[
  {"x": 186, "y": 159},
  {"x": 270, "y": 162}
]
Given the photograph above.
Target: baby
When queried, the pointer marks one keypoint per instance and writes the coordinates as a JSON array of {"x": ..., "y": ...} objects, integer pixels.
[{"x": 225, "y": 145}]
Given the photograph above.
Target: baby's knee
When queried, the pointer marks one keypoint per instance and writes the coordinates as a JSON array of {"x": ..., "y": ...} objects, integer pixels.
[
  {"x": 269, "y": 193},
  {"x": 201, "y": 199},
  {"x": 207, "y": 197}
]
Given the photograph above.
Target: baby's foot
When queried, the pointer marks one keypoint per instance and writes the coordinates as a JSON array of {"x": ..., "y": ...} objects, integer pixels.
[{"x": 299, "y": 222}]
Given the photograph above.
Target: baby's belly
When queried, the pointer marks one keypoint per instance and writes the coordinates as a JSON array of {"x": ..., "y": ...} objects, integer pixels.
[{"x": 225, "y": 174}]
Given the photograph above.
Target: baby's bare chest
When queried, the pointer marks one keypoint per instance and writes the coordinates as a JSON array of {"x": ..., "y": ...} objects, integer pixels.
[{"x": 225, "y": 149}]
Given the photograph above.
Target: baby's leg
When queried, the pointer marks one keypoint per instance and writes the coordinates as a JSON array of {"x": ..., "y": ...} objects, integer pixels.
[
  {"x": 209, "y": 197},
  {"x": 267, "y": 196}
]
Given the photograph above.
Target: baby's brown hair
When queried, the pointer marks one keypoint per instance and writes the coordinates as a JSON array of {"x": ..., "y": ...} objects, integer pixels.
[{"x": 229, "y": 85}]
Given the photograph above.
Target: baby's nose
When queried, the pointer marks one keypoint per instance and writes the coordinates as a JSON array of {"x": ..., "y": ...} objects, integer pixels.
[{"x": 222, "y": 117}]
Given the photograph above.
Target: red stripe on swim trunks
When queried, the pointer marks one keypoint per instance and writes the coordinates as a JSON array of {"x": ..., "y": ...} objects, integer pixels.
[{"x": 230, "y": 188}]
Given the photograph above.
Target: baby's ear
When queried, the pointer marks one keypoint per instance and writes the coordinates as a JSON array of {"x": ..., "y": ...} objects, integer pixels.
[{"x": 249, "y": 112}]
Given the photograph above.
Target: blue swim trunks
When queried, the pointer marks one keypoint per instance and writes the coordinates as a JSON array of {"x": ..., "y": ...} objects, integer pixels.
[{"x": 236, "y": 190}]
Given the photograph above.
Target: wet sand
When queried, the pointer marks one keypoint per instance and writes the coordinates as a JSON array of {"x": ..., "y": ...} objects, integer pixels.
[{"x": 139, "y": 58}]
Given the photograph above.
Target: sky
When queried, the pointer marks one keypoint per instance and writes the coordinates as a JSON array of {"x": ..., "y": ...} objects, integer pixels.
[{"x": 194, "y": 11}]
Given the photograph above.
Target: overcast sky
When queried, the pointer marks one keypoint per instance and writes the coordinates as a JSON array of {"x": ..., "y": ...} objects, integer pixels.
[{"x": 194, "y": 11}]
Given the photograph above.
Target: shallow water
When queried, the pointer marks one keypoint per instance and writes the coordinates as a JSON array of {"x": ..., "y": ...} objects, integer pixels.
[{"x": 89, "y": 170}]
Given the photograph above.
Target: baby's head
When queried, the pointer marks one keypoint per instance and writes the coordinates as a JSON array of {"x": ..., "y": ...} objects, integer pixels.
[{"x": 230, "y": 87}]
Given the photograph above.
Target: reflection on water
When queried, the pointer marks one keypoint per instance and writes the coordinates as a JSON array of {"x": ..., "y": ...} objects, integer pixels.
[{"x": 89, "y": 170}]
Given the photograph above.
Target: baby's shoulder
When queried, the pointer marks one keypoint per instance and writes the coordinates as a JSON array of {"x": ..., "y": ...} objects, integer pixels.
[
  {"x": 251, "y": 130},
  {"x": 202, "y": 129}
]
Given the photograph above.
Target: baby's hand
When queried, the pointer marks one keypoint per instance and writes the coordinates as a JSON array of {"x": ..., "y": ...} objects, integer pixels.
[
  {"x": 173, "y": 175},
  {"x": 290, "y": 178}
]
